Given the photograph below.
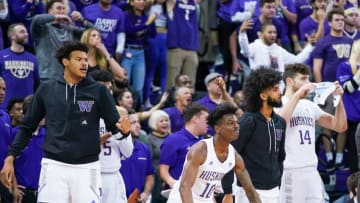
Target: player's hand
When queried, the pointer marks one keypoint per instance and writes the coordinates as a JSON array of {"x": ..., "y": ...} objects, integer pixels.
[
  {"x": 143, "y": 197},
  {"x": 124, "y": 125},
  {"x": 104, "y": 137},
  {"x": 302, "y": 91},
  {"x": 338, "y": 89},
  {"x": 7, "y": 172}
]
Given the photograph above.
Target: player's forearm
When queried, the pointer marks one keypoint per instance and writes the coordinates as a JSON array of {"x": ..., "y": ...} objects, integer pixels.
[
  {"x": 186, "y": 194},
  {"x": 250, "y": 191}
]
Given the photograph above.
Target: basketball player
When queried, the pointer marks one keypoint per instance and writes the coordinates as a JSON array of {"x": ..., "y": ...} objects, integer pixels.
[
  {"x": 72, "y": 105},
  {"x": 301, "y": 181},
  {"x": 113, "y": 188},
  {"x": 209, "y": 160}
]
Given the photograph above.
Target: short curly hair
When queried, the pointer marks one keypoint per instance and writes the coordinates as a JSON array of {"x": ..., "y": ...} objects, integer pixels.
[
  {"x": 218, "y": 113},
  {"x": 65, "y": 50},
  {"x": 258, "y": 81}
]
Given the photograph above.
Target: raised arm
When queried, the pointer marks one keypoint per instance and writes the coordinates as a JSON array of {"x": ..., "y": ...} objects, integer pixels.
[
  {"x": 243, "y": 38},
  {"x": 195, "y": 157},
  {"x": 338, "y": 122},
  {"x": 146, "y": 114}
]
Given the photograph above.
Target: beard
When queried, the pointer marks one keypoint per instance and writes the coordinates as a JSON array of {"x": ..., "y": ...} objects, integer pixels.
[
  {"x": 23, "y": 41},
  {"x": 272, "y": 102}
]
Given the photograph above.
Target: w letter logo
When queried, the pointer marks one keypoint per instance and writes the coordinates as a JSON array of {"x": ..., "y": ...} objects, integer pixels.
[{"x": 85, "y": 106}]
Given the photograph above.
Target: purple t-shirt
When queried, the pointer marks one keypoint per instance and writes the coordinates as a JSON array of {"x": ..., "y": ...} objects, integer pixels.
[
  {"x": 183, "y": 27},
  {"x": 135, "y": 168},
  {"x": 174, "y": 149},
  {"x": 28, "y": 164},
  {"x": 228, "y": 9},
  {"x": 352, "y": 36},
  {"x": 1, "y": 39},
  {"x": 136, "y": 31},
  {"x": 253, "y": 33},
  {"x": 23, "y": 11},
  {"x": 110, "y": 23},
  {"x": 289, "y": 5},
  {"x": 303, "y": 9},
  {"x": 20, "y": 72},
  {"x": 351, "y": 100},
  {"x": 309, "y": 26},
  {"x": 80, "y": 4},
  {"x": 176, "y": 118},
  {"x": 333, "y": 51}
]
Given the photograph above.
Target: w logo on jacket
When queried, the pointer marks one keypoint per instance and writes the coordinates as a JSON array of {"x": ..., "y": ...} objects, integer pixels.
[{"x": 85, "y": 106}]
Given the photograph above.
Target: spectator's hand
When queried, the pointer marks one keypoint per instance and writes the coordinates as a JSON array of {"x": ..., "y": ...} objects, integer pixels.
[
  {"x": 59, "y": 18},
  {"x": 311, "y": 39},
  {"x": 297, "y": 47},
  {"x": 118, "y": 57},
  {"x": 163, "y": 99},
  {"x": 76, "y": 16},
  {"x": 29, "y": 1},
  {"x": 236, "y": 68},
  {"x": 143, "y": 197},
  {"x": 104, "y": 137},
  {"x": 124, "y": 125},
  {"x": 246, "y": 25},
  {"x": 7, "y": 172},
  {"x": 18, "y": 194},
  {"x": 221, "y": 83},
  {"x": 302, "y": 91},
  {"x": 338, "y": 89},
  {"x": 101, "y": 47},
  {"x": 151, "y": 19},
  {"x": 321, "y": 14}
]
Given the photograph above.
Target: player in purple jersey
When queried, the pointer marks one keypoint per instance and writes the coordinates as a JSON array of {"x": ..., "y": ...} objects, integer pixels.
[
  {"x": 109, "y": 19},
  {"x": 18, "y": 67},
  {"x": 182, "y": 39}
]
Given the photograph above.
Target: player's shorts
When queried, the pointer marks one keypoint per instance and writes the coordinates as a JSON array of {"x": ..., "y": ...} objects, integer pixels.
[
  {"x": 175, "y": 196},
  {"x": 301, "y": 185},
  {"x": 266, "y": 196},
  {"x": 113, "y": 188},
  {"x": 61, "y": 183}
]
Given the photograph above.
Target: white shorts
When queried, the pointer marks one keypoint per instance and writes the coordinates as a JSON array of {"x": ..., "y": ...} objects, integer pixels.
[
  {"x": 113, "y": 188},
  {"x": 60, "y": 182},
  {"x": 266, "y": 196},
  {"x": 301, "y": 185},
  {"x": 175, "y": 196}
]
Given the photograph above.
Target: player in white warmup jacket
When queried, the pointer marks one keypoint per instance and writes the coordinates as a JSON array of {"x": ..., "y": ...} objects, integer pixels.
[
  {"x": 113, "y": 186},
  {"x": 301, "y": 181},
  {"x": 209, "y": 160}
]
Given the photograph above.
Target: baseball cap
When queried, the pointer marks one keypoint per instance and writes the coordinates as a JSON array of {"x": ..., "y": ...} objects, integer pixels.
[{"x": 211, "y": 77}]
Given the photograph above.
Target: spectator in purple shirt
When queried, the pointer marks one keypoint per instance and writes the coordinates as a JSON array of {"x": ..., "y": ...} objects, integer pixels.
[
  {"x": 315, "y": 24},
  {"x": 18, "y": 67},
  {"x": 348, "y": 74},
  {"x": 329, "y": 52},
  {"x": 174, "y": 148},
  {"x": 351, "y": 22},
  {"x": 138, "y": 27},
  {"x": 138, "y": 170},
  {"x": 182, "y": 39},
  {"x": 182, "y": 100},
  {"x": 110, "y": 20},
  {"x": 24, "y": 11}
]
